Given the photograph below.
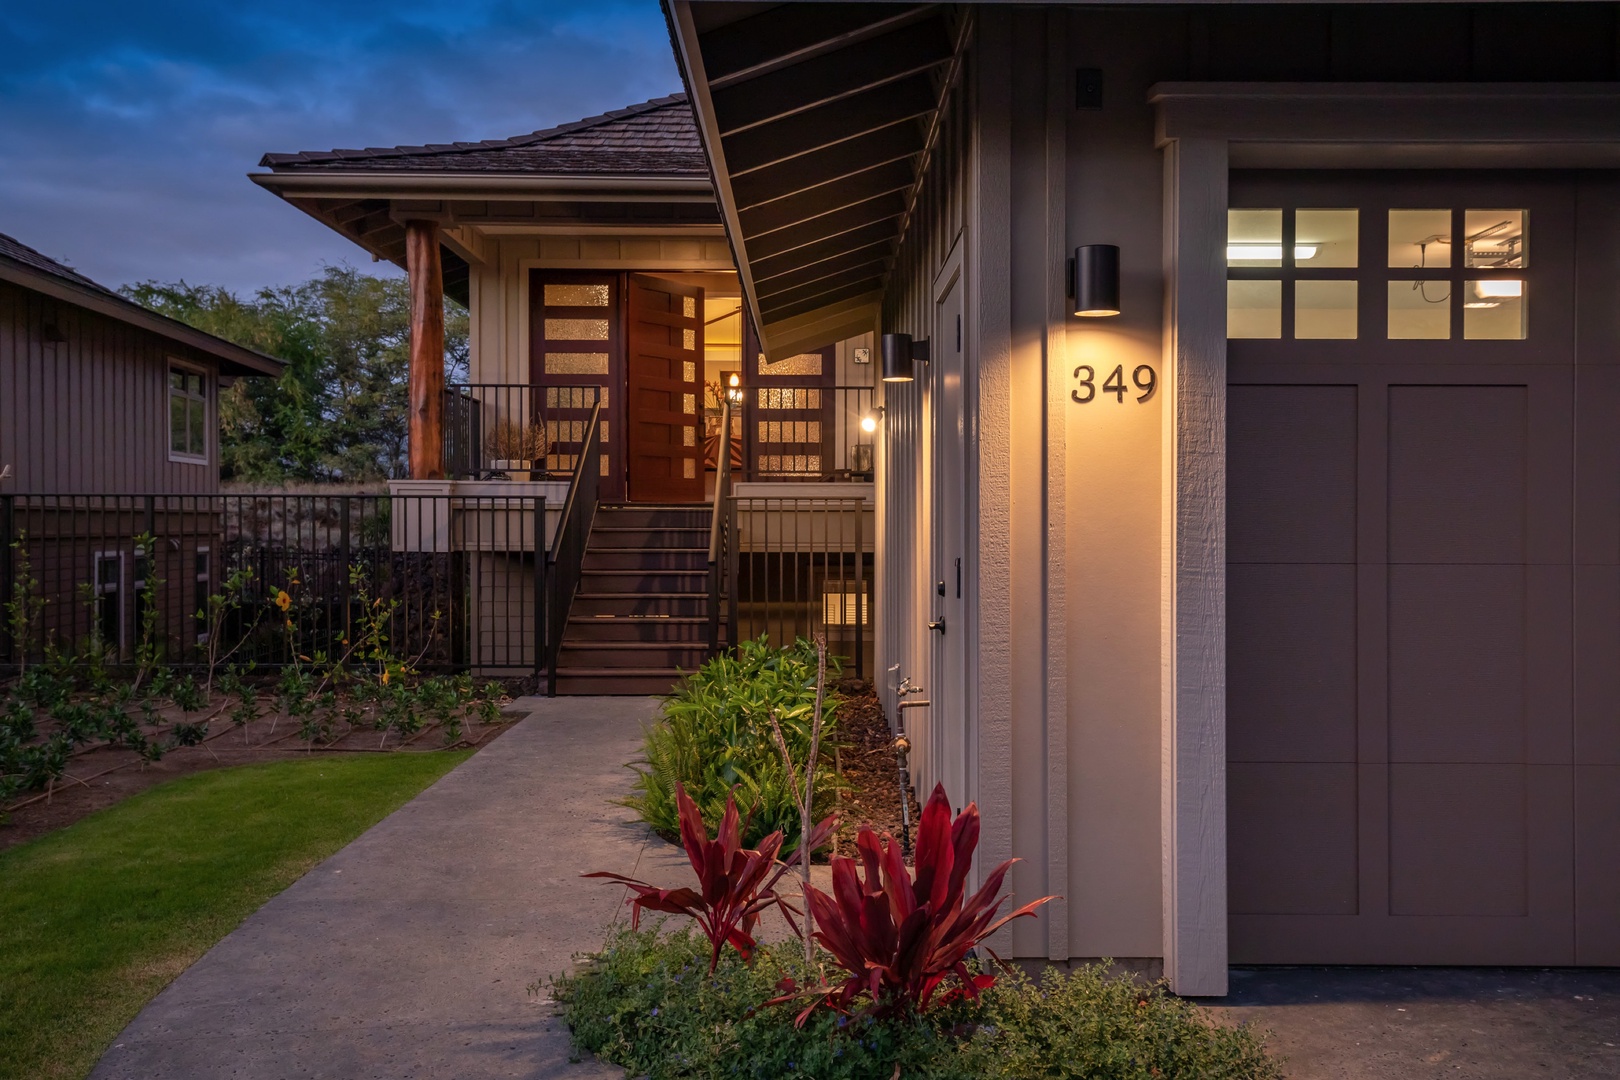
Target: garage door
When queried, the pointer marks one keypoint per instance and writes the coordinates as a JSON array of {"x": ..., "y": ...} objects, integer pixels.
[{"x": 1401, "y": 572}]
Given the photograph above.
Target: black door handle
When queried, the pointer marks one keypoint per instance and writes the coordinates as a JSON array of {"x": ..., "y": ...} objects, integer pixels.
[{"x": 938, "y": 624}]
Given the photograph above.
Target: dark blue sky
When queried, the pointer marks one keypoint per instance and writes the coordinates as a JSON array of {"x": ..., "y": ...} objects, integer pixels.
[{"x": 126, "y": 129}]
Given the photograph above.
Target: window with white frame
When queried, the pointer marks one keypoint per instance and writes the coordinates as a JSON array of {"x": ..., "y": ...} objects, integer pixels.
[
  {"x": 109, "y": 599},
  {"x": 188, "y": 414}
]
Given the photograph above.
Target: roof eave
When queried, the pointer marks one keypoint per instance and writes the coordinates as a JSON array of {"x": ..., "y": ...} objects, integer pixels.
[
  {"x": 233, "y": 359},
  {"x": 367, "y": 184}
]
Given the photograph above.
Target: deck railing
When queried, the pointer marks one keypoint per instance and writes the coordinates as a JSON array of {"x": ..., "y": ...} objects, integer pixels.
[
  {"x": 453, "y": 583},
  {"x": 807, "y": 434},
  {"x": 514, "y": 429},
  {"x": 800, "y": 566}
]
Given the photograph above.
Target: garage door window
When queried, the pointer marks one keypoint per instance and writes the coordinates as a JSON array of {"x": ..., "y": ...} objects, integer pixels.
[{"x": 1296, "y": 273}]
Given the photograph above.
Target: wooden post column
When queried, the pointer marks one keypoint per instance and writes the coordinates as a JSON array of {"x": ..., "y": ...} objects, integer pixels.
[{"x": 427, "y": 350}]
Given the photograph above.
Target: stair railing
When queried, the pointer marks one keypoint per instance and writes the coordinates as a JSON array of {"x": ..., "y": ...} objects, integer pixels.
[
  {"x": 567, "y": 555},
  {"x": 718, "y": 539}
]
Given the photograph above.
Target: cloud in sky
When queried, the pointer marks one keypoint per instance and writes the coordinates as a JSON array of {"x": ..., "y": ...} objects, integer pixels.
[{"x": 126, "y": 129}]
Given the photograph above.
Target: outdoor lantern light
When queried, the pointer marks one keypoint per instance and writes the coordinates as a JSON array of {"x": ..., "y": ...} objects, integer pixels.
[
  {"x": 734, "y": 392},
  {"x": 869, "y": 422},
  {"x": 1096, "y": 280},
  {"x": 900, "y": 354}
]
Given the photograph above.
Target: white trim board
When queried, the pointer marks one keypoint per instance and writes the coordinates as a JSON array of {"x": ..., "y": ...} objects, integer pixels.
[{"x": 1204, "y": 130}]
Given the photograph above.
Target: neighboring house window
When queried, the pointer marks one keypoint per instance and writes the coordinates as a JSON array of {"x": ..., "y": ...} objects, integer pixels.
[
  {"x": 201, "y": 593},
  {"x": 188, "y": 414},
  {"x": 109, "y": 601}
]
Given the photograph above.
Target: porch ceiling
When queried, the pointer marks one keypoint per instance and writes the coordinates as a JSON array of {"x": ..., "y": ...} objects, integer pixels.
[{"x": 818, "y": 119}]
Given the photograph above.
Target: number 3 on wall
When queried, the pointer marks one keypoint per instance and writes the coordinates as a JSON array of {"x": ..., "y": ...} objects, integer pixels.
[{"x": 1144, "y": 378}]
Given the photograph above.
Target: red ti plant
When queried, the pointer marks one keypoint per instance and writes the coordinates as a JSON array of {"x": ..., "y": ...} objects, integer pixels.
[
  {"x": 735, "y": 884},
  {"x": 900, "y": 936}
]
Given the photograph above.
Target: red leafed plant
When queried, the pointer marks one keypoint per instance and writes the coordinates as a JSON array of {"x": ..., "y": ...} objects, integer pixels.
[
  {"x": 735, "y": 884},
  {"x": 900, "y": 936}
]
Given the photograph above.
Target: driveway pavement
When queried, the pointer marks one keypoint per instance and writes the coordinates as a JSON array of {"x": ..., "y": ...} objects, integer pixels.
[
  {"x": 1434, "y": 1023},
  {"x": 408, "y": 953}
]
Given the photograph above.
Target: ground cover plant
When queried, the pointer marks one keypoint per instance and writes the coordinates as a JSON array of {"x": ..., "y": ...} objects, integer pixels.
[
  {"x": 98, "y": 917},
  {"x": 646, "y": 1002},
  {"x": 714, "y": 735}
]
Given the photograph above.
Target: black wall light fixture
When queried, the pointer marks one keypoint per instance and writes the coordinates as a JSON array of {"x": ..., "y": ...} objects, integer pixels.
[
  {"x": 901, "y": 355},
  {"x": 1094, "y": 280}
]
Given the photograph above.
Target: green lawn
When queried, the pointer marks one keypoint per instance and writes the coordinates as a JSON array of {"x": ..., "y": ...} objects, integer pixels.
[{"x": 97, "y": 918}]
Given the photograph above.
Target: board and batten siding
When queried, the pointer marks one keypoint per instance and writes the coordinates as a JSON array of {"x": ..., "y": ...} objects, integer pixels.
[{"x": 90, "y": 413}]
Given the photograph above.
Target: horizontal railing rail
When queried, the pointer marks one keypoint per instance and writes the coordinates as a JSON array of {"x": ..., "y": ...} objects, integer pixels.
[{"x": 442, "y": 583}]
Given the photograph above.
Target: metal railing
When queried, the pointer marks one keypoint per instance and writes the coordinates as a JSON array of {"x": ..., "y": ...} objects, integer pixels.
[
  {"x": 271, "y": 579},
  {"x": 718, "y": 520},
  {"x": 515, "y": 429},
  {"x": 807, "y": 434},
  {"x": 799, "y": 566},
  {"x": 567, "y": 555}
]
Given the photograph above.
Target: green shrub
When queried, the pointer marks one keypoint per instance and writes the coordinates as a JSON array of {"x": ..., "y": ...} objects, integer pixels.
[
  {"x": 715, "y": 734},
  {"x": 647, "y": 1003}
]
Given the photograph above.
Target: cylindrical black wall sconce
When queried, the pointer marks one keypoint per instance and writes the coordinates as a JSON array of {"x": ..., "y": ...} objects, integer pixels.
[
  {"x": 1096, "y": 280},
  {"x": 900, "y": 355}
]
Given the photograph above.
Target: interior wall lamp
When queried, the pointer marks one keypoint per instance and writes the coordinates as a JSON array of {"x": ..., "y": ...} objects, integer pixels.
[
  {"x": 1094, "y": 280},
  {"x": 734, "y": 390},
  {"x": 901, "y": 355}
]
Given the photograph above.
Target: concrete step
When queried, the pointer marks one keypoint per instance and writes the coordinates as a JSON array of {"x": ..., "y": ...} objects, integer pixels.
[
  {"x": 646, "y": 558},
  {"x": 576, "y": 682},
  {"x": 690, "y": 605},
  {"x": 645, "y": 581}
]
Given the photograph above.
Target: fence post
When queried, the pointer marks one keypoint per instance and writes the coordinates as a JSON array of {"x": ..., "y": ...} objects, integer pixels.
[
  {"x": 541, "y": 569},
  {"x": 347, "y": 559},
  {"x": 8, "y": 534}
]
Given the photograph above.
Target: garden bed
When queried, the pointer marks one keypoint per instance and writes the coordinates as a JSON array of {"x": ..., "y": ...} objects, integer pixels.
[{"x": 865, "y": 762}]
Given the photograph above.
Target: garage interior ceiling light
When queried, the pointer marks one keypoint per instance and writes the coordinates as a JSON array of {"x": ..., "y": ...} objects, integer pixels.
[
  {"x": 1267, "y": 252},
  {"x": 1499, "y": 287}
]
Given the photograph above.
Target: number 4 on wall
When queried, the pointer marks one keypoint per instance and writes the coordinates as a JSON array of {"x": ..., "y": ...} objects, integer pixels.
[{"x": 1144, "y": 378}]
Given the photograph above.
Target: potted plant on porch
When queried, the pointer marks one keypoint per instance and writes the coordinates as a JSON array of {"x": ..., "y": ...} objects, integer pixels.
[{"x": 514, "y": 447}]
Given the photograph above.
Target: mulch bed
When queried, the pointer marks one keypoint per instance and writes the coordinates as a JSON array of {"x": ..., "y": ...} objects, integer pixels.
[
  {"x": 865, "y": 760},
  {"x": 100, "y": 776}
]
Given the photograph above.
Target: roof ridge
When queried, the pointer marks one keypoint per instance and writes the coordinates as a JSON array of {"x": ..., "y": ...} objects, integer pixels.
[{"x": 446, "y": 149}]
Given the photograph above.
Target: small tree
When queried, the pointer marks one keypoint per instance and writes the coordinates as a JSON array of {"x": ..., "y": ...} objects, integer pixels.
[
  {"x": 805, "y": 796},
  {"x": 26, "y": 606}
]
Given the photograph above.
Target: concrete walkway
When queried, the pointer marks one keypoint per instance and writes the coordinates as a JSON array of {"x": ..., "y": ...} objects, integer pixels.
[{"x": 408, "y": 953}]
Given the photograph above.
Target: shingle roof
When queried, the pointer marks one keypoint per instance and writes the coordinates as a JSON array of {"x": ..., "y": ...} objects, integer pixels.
[
  {"x": 656, "y": 138},
  {"x": 18, "y": 251},
  {"x": 27, "y": 267}
]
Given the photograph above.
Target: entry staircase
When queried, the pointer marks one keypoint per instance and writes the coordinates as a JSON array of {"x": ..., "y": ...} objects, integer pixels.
[{"x": 640, "y": 617}]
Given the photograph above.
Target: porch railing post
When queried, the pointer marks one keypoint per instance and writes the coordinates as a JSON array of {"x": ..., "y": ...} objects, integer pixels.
[
  {"x": 860, "y": 591},
  {"x": 542, "y": 644}
]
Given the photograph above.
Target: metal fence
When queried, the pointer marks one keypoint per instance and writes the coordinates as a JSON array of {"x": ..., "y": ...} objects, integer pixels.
[
  {"x": 445, "y": 582},
  {"x": 797, "y": 567}
]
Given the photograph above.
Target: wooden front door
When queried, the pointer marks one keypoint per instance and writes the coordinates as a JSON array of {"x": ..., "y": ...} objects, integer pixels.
[
  {"x": 1401, "y": 374},
  {"x": 664, "y": 372}
]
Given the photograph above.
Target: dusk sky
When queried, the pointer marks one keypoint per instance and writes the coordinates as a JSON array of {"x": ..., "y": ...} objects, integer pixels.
[{"x": 126, "y": 130}]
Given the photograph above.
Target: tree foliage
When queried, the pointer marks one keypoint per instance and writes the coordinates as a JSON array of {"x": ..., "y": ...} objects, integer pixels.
[{"x": 338, "y": 411}]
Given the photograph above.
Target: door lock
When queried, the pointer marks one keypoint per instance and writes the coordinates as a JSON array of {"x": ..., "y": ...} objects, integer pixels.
[{"x": 938, "y": 624}]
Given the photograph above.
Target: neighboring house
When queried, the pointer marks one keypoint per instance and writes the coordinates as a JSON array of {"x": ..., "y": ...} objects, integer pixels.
[
  {"x": 597, "y": 272},
  {"x": 108, "y": 428},
  {"x": 1267, "y": 591}
]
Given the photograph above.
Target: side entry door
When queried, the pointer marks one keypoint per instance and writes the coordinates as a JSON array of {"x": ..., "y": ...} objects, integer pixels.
[
  {"x": 664, "y": 361},
  {"x": 948, "y": 628}
]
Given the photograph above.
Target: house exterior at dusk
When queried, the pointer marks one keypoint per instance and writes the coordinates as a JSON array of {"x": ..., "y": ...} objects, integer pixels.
[
  {"x": 1243, "y": 499},
  {"x": 1274, "y": 618}
]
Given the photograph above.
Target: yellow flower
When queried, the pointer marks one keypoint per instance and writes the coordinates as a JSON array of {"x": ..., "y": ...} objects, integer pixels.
[
  {"x": 385, "y": 678},
  {"x": 283, "y": 601}
]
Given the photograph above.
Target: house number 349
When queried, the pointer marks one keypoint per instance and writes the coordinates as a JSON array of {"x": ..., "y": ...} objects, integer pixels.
[{"x": 1144, "y": 379}]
